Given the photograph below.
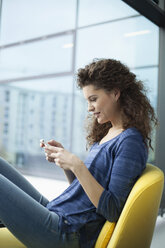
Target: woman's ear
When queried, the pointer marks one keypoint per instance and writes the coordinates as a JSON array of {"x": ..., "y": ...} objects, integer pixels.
[{"x": 116, "y": 94}]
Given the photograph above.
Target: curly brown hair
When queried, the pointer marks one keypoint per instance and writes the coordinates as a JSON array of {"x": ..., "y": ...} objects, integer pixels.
[{"x": 109, "y": 74}]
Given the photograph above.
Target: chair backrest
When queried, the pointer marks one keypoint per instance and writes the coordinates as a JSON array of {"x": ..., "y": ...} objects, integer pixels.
[{"x": 137, "y": 221}]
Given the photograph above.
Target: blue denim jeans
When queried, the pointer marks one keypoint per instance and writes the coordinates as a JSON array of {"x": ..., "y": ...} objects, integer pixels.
[{"x": 23, "y": 212}]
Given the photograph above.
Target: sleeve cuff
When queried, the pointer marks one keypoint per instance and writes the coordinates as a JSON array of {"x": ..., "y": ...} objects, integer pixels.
[
  {"x": 107, "y": 207},
  {"x": 102, "y": 201}
]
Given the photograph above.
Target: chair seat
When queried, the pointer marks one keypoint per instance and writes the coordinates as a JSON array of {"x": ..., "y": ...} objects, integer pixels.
[{"x": 7, "y": 240}]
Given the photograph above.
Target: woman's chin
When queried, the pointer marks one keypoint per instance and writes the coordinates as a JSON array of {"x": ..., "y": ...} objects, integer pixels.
[{"x": 100, "y": 121}]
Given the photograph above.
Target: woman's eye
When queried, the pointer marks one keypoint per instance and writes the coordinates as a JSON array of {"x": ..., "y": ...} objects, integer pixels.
[{"x": 93, "y": 100}]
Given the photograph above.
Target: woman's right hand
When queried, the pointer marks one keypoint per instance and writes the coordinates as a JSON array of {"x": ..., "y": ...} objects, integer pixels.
[
  {"x": 69, "y": 175},
  {"x": 51, "y": 143},
  {"x": 54, "y": 143}
]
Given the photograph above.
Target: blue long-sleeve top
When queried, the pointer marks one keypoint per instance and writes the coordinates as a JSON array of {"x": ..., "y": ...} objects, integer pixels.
[{"x": 116, "y": 165}]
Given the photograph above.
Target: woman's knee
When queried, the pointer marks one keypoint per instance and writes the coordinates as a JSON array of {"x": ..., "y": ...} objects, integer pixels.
[{"x": 3, "y": 162}]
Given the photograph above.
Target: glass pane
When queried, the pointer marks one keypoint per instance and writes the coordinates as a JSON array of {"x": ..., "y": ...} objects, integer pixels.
[
  {"x": 150, "y": 78},
  {"x": 133, "y": 41},
  {"x": 95, "y": 11},
  {"x": 29, "y": 113},
  {"x": 44, "y": 57},
  {"x": 79, "y": 134},
  {"x": 22, "y": 19}
]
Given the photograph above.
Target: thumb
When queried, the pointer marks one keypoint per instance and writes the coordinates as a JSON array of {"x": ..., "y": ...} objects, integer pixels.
[{"x": 54, "y": 143}]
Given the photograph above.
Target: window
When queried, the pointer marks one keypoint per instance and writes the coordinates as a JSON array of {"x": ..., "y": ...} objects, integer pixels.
[
  {"x": 23, "y": 20},
  {"x": 41, "y": 50}
]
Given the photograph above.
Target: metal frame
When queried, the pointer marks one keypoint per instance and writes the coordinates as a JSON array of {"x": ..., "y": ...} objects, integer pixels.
[
  {"x": 73, "y": 82},
  {"x": 149, "y": 9},
  {"x": 0, "y": 13},
  {"x": 160, "y": 135},
  {"x": 39, "y": 38}
]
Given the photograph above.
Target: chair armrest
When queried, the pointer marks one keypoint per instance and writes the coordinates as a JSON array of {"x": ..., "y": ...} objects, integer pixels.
[{"x": 105, "y": 235}]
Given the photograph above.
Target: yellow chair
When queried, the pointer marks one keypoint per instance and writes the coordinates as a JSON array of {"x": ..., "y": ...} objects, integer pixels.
[
  {"x": 135, "y": 226},
  {"x": 7, "y": 240}
]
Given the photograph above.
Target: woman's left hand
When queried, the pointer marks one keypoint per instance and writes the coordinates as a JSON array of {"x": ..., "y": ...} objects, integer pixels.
[{"x": 62, "y": 157}]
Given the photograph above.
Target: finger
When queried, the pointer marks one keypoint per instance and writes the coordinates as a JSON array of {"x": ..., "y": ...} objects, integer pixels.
[
  {"x": 54, "y": 143},
  {"x": 48, "y": 152},
  {"x": 42, "y": 143},
  {"x": 49, "y": 148},
  {"x": 53, "y": 148},
  {"x": 54, "y": 155},
  {"x": 51, "y": 160},
  {"x": 57, "y": 162}
]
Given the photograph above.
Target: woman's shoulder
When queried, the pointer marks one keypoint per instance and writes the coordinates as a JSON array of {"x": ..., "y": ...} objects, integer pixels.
[
  {"x": 131, "y": 132},
  {"x": 128, "y": 143},
  {"x": 130, "y": 138},
  {"x": 128, "y": 135},
  {"x": 132, "y": 141}
]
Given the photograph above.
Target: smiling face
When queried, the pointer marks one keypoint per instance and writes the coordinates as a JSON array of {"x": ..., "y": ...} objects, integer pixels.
[{"x": 104, "y": 106}]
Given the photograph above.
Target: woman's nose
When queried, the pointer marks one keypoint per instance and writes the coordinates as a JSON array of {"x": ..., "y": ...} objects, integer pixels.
[{"x": 90, "y": 107}]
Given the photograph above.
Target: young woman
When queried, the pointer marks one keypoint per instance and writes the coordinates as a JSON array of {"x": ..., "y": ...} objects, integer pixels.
[{"x": 119, "y": 138}]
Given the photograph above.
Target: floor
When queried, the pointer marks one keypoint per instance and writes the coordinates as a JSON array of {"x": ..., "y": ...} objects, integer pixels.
[
  {"x": 158, "y": 240},
  {"x": 52, "y": 188}
]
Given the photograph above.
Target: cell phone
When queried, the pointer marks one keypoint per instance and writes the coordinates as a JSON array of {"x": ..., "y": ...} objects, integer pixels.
[{"x": 42, "y": 141}]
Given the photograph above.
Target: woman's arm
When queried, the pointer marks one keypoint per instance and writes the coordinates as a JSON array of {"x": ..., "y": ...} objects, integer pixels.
[
  {"x": 69, "y": 175},
  {"x": 90, "y": 185}
]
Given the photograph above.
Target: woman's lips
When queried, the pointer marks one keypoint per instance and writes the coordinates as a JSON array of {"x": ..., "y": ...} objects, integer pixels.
[{"x": 96, "y": 114}]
